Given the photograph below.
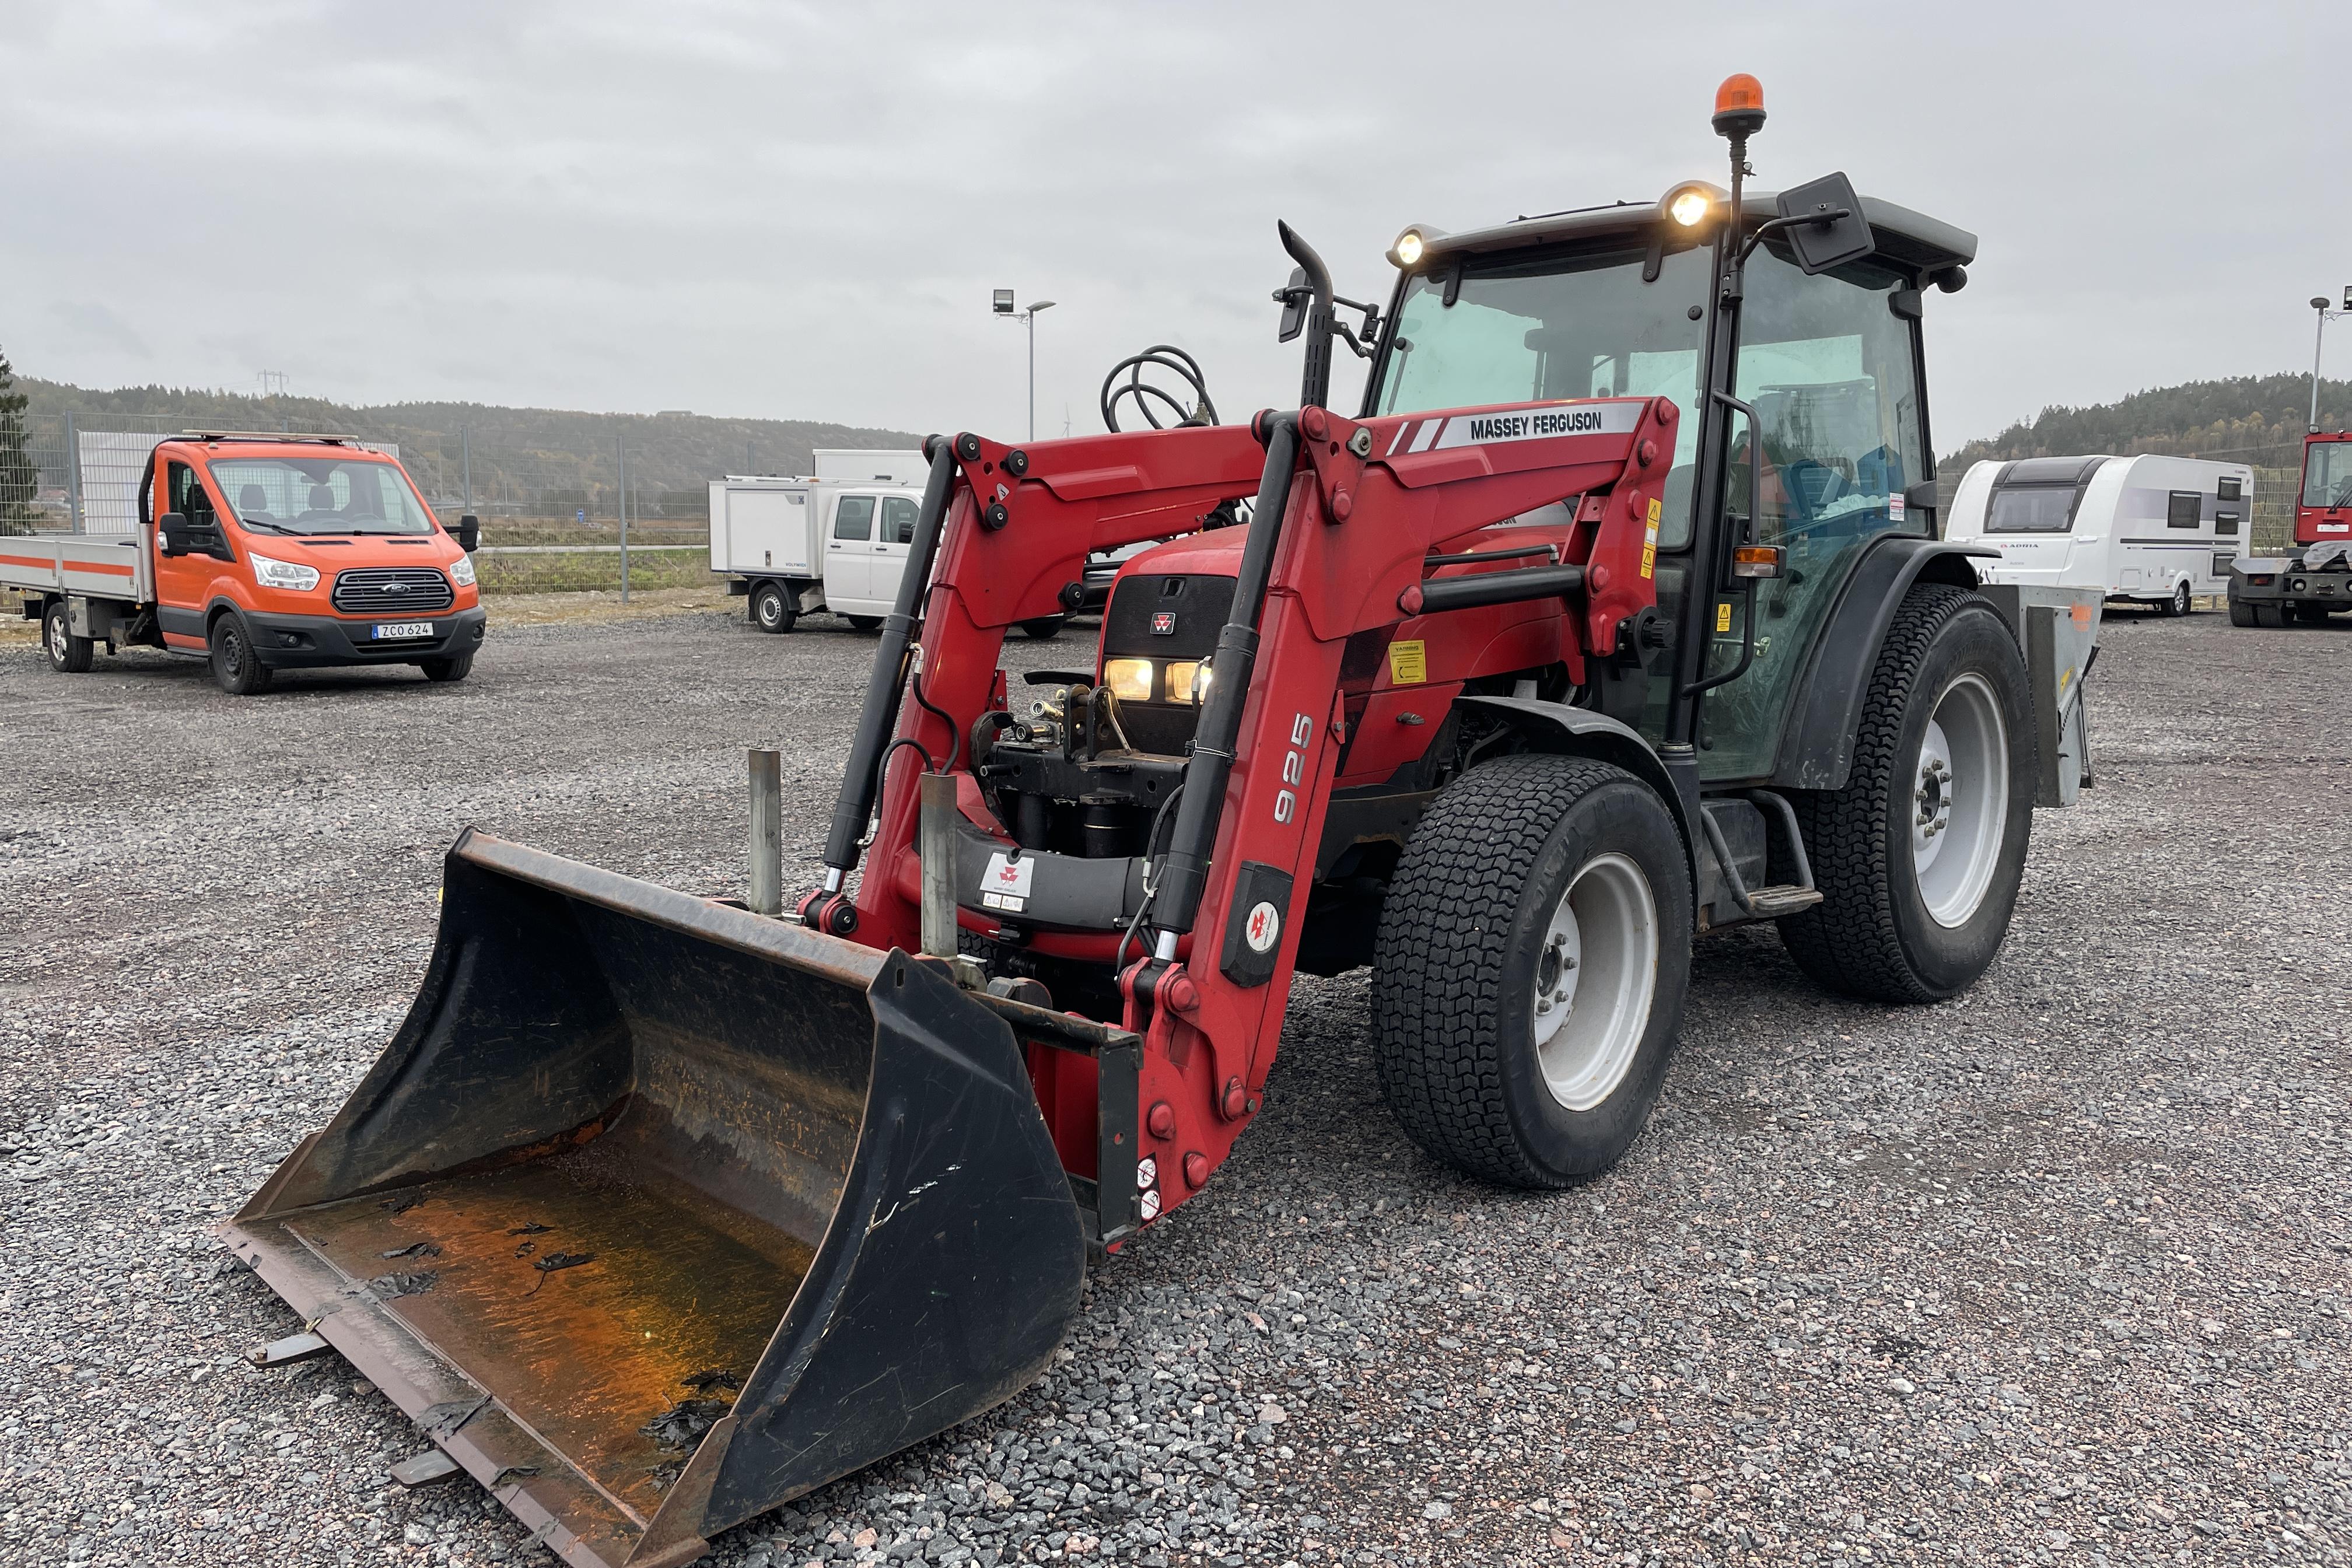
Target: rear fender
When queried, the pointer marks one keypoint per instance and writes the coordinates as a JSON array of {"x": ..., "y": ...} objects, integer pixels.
[{"x": 1817, "y": 744}]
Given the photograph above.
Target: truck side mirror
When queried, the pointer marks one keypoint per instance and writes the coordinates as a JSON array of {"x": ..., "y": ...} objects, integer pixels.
[
  {"x": 1824, "y": 225},
  {"x": 172, "y": 529},
  {"x": 469, "y": 533}
]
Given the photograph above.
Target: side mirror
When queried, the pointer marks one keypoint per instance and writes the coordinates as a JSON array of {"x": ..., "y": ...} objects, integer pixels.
[
  {"x": 469, "y": 533},
  {"x": 1824, "y": 224},
  {"x": 172, "y": 532},
  {"x": 1295, "y": 296}
]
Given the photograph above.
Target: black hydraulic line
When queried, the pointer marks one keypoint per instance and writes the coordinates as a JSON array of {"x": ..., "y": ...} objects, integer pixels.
[
  {"x": 1499, "y": 588},
  {"x": 1466, "y": 558},
  {"x": 1184, "y": 875},
  {"x": 861, "y": 777},
  {"x": 1314, "y": 381}
]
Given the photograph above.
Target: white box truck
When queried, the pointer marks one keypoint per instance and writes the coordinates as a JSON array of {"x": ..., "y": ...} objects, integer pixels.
[
  {"x": 836, "y": 543},
  {"x": 2161, "y": 530}
]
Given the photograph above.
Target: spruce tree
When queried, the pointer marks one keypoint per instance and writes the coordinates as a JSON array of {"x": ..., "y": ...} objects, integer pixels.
[{"x": 20, "y": 481}]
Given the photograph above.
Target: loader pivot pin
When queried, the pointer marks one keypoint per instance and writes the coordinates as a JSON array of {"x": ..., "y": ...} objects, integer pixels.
[
  {"x": 1234, "y": 1101},
  {"x": 1161, "y": 1119}
]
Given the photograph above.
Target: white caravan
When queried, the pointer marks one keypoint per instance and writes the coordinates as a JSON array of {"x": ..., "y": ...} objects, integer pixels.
[
  {"x": 2155, "y": 529},
  {"x": 825, "y": 542}
]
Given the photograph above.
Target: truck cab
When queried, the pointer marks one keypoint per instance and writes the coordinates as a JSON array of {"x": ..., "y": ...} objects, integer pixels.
[
  {"x": 2313, "y": 580},
  {"x": 266, "y": 552}
]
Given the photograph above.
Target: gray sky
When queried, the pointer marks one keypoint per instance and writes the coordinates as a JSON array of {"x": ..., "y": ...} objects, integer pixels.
[{"x": 798, "y": 211}]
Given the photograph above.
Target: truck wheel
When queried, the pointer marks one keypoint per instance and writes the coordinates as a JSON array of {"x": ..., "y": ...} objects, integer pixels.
[
  {"x": 864, "y": 623},
  {"x": 2240, "y": 612},
  {"x": 2271, "y": 615},
  {"x": 1529, "y": 975},
  {"x": 1918, "y": 858},
  {"x": 772, "y": 609},
  {"x": 235, "y": 670},
  {"x": 456, "y": 667},
  {"x": 69, "y": 654},
  {"x": 2178, "y": 604},
  {"x": 1046, "y": 628}
]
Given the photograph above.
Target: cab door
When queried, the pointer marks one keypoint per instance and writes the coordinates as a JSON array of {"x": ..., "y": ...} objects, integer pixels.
[
  {"x": 894, "y": 531},
  {"x": 1832, "y": 370},
  {"x": 184, "y": 584},
  {"x": 849, "y": 555}
]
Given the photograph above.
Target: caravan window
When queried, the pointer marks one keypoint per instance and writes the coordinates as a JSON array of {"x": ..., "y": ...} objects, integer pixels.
[
  {"x": 2230, "y": 488},
  {"x": 2186, "y": 509},
  {"x": 2039, "y": 508},
  {"x": 2225, "y": 523}
]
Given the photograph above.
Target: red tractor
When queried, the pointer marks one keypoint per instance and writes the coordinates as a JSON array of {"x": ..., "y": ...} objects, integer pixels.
[
  {"x": 2314, "y": 580},
  {"x": 1615, "y": 615}
]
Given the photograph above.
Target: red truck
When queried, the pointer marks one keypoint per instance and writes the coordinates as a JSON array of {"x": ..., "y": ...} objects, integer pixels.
[{"x": 2314, "y": 579}]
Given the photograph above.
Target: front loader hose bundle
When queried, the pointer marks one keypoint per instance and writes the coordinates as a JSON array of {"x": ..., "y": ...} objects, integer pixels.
[{"x": 1159, "y": 356}]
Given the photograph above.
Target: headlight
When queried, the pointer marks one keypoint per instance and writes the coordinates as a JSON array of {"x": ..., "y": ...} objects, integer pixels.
[
  {"x": 462, "y": 573},
  {"x": 284, "y": 574},
  {"x": 1187, "y": 679},
  {"x": 1129, "y": 679},
  {"x": 1409, "y": 247}
]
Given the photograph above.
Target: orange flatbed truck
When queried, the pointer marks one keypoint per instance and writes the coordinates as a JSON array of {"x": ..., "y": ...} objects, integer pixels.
[{"x": 261, "y": 553}]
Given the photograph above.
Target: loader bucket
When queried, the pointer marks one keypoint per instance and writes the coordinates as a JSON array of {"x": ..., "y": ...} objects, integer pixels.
[{"x": 656, "y": 1213}]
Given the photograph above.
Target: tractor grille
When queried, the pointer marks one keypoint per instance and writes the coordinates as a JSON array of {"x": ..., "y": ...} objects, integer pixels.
[{"x": 392, "y": 591}]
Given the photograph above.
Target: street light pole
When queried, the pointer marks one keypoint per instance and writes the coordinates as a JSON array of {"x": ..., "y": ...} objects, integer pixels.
[
  {"x": 2319, "y": 337},
  {"x": 1028, "y": 318}
]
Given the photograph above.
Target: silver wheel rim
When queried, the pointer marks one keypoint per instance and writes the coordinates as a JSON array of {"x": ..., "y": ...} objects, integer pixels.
[
  {"x": 1959, "y": 801},
  {"x": 61, "y": 639},
  {"x": 2181, "y": 600},
  {"x": 1595, "y": 975}
]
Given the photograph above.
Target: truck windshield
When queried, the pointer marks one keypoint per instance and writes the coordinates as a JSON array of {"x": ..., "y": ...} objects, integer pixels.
[
  {"x": 343, "y": 494},
  {"x": 1582, "y": 325},
  {"x": 2327, "y": 474}
]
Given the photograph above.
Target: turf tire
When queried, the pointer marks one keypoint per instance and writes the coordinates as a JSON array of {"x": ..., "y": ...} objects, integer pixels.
[
  {"x": 1455, "y": 963},
  {"x": 1872, "y": 936}
]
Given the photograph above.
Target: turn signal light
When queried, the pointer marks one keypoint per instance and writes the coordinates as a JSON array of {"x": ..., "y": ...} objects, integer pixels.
[{"x": 1755, "y": 561}]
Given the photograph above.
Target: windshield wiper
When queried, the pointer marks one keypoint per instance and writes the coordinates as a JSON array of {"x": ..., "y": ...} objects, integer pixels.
[{"x": 272, "y": 527}]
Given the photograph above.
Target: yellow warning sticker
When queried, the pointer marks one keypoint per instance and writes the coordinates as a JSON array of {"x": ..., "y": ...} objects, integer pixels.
[
  {"x": 1649, "y": 542},
  {"x": 1408, "y": 663},
  {"x": 1723, "y": 618}
]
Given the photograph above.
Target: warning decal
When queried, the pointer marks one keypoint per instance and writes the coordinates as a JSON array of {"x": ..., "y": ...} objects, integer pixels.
[
  {"x": 1649, "y": 542},
  {"x": 1005, "y": 884},
  {"x": 1723, "y": 618},
  {"x": 1408, "y": 663}
]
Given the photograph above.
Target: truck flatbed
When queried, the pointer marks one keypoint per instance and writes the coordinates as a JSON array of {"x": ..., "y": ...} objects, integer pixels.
[{"x": 98, "y": 565}]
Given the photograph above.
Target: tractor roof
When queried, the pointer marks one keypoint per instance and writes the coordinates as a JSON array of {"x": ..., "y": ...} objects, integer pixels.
[{"x": 1913, "y": 241}]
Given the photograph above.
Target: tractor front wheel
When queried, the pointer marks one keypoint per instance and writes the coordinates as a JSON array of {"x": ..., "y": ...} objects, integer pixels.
[
  {"x": 1528, "y": 976},
  {"x": 1919, "y": 856}
]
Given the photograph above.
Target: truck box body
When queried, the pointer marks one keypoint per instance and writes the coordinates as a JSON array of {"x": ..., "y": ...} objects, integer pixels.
[
  {"x": 2146, "y": 528},
  {"x": 761, "y": 526},
  {"x": 106, "y": 567},
  {"x": 868, "y": 465}
]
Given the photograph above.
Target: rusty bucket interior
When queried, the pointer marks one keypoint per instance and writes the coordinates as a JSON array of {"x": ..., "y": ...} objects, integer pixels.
[{"x": 656, "y": 1213}]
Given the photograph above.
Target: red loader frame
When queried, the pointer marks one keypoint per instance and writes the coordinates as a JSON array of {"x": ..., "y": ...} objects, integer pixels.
[{"x": 1349, "y": 518}]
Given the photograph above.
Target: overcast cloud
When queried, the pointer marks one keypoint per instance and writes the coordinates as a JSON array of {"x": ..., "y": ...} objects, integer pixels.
[{"x": 799, "y": 211}]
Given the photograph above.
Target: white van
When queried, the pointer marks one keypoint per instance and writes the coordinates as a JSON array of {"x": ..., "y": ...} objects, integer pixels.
[
  {"x": 796, "y": 546},
  {"x": 2158, "y": 530}
]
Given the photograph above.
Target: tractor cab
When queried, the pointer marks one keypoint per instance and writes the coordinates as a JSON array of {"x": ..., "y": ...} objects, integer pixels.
[{"x": 1819, "y": 419}]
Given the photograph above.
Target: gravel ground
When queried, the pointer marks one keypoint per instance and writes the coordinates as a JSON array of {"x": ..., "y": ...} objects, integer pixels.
[{"x": 2053, "y": 1273}]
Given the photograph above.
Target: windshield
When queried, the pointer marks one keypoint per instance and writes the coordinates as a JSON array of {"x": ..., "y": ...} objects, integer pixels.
[
  {"x": 1576, "y": 326},
  {"x": 2327, "y": 474},
  {"x": 346, "y": 493}
]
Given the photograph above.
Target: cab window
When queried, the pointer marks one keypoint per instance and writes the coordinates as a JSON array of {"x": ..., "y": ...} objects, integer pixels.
[
  {"x": 188, "y": 495},
  {"x": 897, "y": 520},
  {"x": 852, "y": 518}
]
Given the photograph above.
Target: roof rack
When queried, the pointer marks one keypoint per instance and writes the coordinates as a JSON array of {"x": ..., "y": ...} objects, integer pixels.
[{"x": 266, "y": 436}]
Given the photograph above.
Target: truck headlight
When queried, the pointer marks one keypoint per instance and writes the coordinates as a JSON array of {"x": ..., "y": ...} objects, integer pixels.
[
  {"x": 292, "y": 574},
  {"x": 462, "y": 573},
  {"x": 1130, "y": 679},
  {"x": 1185, "y": 681}
]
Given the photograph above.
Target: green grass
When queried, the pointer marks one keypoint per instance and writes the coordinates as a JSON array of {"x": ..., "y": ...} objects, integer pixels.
[{"x": 585, "y": 572}]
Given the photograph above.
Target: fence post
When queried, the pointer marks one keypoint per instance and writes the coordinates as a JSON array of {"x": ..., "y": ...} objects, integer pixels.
[
  {"x": 466, "y": 440},
  {"x": 73, "y": 473},
  {"x": 623, "y": 442},
  {"x": 767, "y": 832}
]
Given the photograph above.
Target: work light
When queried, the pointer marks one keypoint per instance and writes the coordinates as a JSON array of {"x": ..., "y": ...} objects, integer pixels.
[
  {"x": 1409, "y": 247},
  {"x": 1689, "y": 206},
  {"x": 1130, "y": 678}
]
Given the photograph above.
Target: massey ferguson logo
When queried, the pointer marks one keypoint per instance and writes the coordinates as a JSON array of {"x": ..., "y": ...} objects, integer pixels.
[{"x": 1163, "y": 624}]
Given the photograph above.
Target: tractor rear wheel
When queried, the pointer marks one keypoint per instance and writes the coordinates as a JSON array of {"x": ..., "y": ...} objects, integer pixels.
[
  {"x": 1918, "y": 858},
  {"x": 1528, "y": 976}
]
